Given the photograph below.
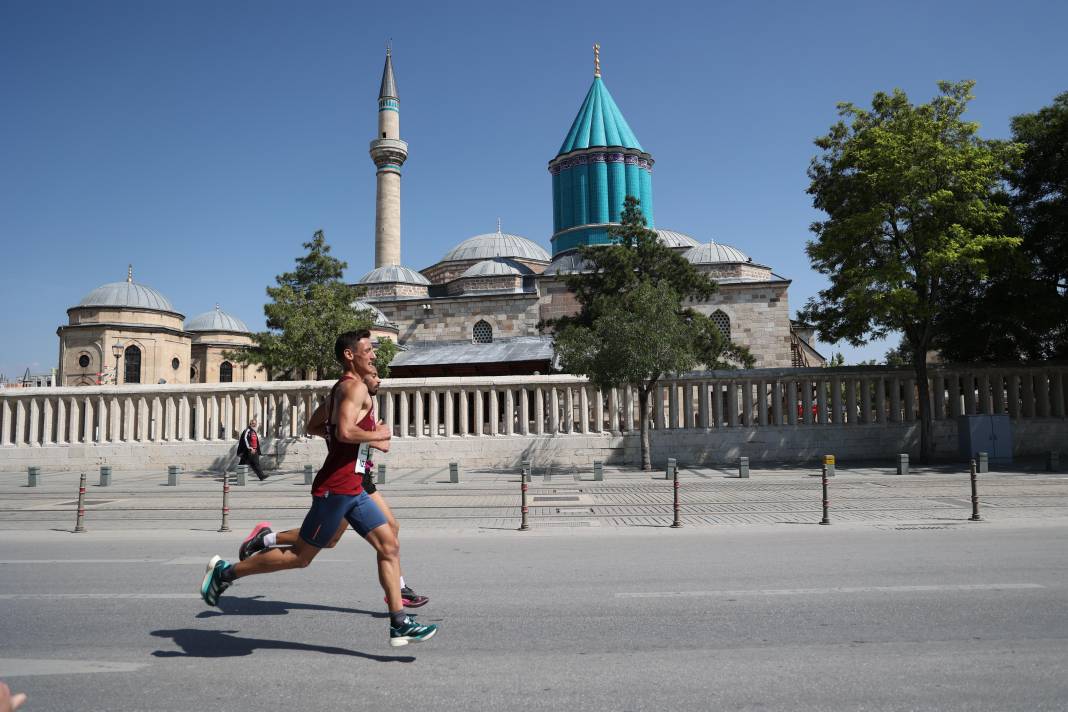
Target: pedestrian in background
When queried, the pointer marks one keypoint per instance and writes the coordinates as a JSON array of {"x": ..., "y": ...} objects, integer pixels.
[{"x": 248, "y": 449}]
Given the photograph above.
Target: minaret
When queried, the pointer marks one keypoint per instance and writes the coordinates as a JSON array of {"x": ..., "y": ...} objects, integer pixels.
[{"x": 389, "y": 153}]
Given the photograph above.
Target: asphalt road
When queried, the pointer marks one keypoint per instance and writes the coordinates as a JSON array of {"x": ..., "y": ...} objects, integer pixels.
[{"x": 787, "y": 617}]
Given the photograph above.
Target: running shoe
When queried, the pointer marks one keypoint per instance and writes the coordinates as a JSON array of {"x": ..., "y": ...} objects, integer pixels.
[
  {"x": 410, "y": 632},
  {"x": 253, "y": 543},
  {"x": 213, "y": 586},
  {"x": 411, "y": 599}
]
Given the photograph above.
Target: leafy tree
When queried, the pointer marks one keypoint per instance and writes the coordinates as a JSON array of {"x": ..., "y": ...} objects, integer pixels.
[
  {"x": 910, "y": 192},
  {"x": 384, "y": 355},
  {"x": 309, "y": 307},
  {"x": 634, "y": 326},
  {"x": 837, "y": 359}
]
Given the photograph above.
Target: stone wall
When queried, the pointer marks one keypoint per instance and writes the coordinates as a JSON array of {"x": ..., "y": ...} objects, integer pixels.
[{"x": 452, "y": 318}]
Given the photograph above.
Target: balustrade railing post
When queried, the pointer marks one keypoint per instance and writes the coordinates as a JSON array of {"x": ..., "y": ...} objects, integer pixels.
[
  {"x": 477, "y": 395},
  {"x": 777, "y": 395},
  {"x": 539, "y": 411},
  {"x": 747, "y": 402},
  {"x": 584, "y": 408},
  {"x": 494, "y": 411},
  {"x": 554, "y": 410},
  {"x": 420, "y": 412},
  {"x": 465, "y": 419},
  {"x": 450, "y": 412},
  {"x": 703, "y": 419},
  {"x": 435, "y": 413},
  {"x": 524, "y": 411}
]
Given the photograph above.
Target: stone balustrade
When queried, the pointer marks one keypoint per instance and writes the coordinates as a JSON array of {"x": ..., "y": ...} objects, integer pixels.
[
  {"x": 530, "y": 405},
  {"x": 804, "y": 402}
]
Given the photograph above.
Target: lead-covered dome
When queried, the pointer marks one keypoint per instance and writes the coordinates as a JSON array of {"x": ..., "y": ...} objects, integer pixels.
[
  {"x": 715, "y": 253},
  {"x": 379, "y": 317},
  {"x": 672, "y": 238},
  {"x": 495, "y": 268},
  {"x": 129, "y": 295},
  {"x": 497, "y": 244},
  {"x": 392, "y": 274},
  {"x": 216, "y": 320}
]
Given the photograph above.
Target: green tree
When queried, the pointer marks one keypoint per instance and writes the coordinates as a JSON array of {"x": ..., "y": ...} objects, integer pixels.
[
  {"x": 910, "y": 192},
  {"x": 385, "y": 351},
  {"x": 634, "y": 326},
  {"x": 309, "y": 307},
  {"x": 837, "y": 359}
]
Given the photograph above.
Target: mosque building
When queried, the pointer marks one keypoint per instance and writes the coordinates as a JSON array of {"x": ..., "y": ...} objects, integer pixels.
[{"x": 478, "y": 310}]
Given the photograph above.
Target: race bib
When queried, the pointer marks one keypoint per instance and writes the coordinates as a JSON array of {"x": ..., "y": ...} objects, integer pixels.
[{"x": 361, "y": 456}]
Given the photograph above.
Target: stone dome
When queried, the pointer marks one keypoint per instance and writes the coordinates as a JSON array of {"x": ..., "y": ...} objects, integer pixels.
[
  {"x": 128, "y": 294},
  {"x": 713, "y": 253},
  {"x": 216, "y": 320},
  {"x": 380, "y": 319},
  {"x": 393, "y": 273},
  {"x": 497, "y": 244},
  {"x": 676, "y": 239},
  {"x": 495, "y": 268}
]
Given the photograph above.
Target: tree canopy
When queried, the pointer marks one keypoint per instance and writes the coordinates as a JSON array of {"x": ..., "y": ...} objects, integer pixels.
[
  {"x": 912, "y": 197},
  {"x": 309, "y": 307},
  {"x": 634, "y": 326}
]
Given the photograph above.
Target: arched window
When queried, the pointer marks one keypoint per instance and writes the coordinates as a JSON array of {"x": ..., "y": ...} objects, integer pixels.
[
  {"x": 192, "y": 374},
  {"x": 723, "y": 322},
  {"x": 132, "y": 359},
  {"x": 226, "y": 372},
  {"x": 482, "y": 333}
]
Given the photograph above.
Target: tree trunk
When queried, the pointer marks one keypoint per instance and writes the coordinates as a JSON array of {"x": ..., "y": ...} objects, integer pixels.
[
  {"x": 919, "y": 361},
  {"x": 643, "y": 410}
]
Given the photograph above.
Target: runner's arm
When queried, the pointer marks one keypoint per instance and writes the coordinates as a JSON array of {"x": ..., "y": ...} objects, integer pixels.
[
  {"x": 348, "y": 410},
  {"x": 317, "y": 422}
]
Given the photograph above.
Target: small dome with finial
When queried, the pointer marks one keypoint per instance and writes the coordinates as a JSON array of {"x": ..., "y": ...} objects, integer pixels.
[{"x": 128, "y": 294}]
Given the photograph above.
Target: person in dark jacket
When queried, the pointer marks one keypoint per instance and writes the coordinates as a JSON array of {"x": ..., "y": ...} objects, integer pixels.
[{"x": 248, "y": 449}]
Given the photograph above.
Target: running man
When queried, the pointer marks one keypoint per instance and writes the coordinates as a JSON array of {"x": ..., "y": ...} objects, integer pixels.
[
  {"x": 262, "y": 538},
  {"x": 337, "y": 495}
]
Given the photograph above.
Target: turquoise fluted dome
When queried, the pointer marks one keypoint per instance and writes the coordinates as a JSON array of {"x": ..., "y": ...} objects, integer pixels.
[
  {"x": 600, "y": 163},
  {"x": 599, "y": 123}
]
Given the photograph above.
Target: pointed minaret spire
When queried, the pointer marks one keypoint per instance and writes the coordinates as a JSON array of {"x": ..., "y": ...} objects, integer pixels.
[
  {"x": 389, "y": 153},
  {"x": 129, "y": 273},
  {"x": 597, "y": 60}
]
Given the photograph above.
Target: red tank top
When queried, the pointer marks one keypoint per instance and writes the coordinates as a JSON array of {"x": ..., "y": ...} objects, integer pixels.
[{"x": 338, "y": 473}]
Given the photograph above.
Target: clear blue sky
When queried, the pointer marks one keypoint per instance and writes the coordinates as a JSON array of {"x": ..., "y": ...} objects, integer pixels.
[{"x": 205, "y": 141}]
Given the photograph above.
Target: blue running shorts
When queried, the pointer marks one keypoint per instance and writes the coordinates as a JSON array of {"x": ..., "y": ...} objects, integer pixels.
[{"x": 327, "y": 511}]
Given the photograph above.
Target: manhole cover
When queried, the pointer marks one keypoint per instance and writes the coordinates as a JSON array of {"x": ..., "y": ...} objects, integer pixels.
[{"x": 556, "y": 499}]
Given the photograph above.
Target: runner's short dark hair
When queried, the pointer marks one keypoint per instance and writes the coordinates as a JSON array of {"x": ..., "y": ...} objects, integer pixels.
[{"x": 348, "y": 340}]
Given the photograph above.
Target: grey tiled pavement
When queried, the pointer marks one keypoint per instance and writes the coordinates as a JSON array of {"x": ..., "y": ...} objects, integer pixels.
[{"x": 559, "y": 498}]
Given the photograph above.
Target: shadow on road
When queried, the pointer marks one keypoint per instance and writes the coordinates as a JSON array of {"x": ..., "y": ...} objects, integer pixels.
[
  {"x": 255, "y": 606},
  {"x": 223, "y": 644}
]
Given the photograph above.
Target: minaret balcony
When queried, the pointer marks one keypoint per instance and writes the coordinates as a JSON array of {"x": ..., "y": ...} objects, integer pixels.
[{"x": 389, "y": 151}]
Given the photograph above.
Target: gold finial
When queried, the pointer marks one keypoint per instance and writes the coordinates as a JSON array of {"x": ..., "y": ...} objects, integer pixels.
[
  {"x": 216, "y": 306},
  {"x": 129, "y": 273},
  {"x": 498, "y": 225},
  {"x": 597, "y": 60},
  {"x": 389, "y": 46}
]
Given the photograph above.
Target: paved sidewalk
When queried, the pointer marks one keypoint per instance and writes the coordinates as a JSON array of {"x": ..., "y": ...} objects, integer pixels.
[{"x": 489, "y": 500}]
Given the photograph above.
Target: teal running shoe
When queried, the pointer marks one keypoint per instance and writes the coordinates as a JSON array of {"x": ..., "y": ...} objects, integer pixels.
[
  {"x": 410, "y": 632},
  {"x": 213, "y": 586}
]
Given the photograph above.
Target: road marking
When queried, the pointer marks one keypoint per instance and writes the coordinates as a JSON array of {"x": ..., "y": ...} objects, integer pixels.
[
  {"x": 100, "y": 596},
  {"x": 837, "y": 589},
  {"x": 87, "y": 561},
  {"x": 26, "y": 667}
]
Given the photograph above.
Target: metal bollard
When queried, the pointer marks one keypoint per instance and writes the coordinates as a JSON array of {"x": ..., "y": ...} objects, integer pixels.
[
  {"x": 1053, "y": 461},
  {"x": 826, "y": 500},
  {"x": 524, "y": 475},
  {"x": 903, "y": 463},
  {"x": 454, "y": 472},
  {"x": 675, "y": 486},
  {"x": 523, "y": 509},
  {"x": 669, "y": 472},
  {"x": 241, "y": 474},
  {"x": 172, "y": 475},
  {"x": 984, "y": 463},
  {"x": 33, "y": 476},
  {"x": 743, "y": 468},
  {"x": 105, "y": 475},
  {"x": 225, "y": 527},
  {"x": 975, "y": 496},
  {"x": 828, "y": 465},
  {"x": 380, "y": 475},
  {"x": 79, "y": 524},
  {"x": 309, "y": 474},
  {"x": 598, "y": 471}
]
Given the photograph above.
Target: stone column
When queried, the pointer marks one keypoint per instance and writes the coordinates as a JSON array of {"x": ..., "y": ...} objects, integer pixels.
[
  {"x": 657, "y": 396},
  {"x": 910, "y": 400},
  {"x": 1014, "y": 395},
  {"x": 598, "y": 411},
  {"x": 806, "y": 401},
  {"x": 732, "y": 404},
  {"x": 1058, "y": 394},
  {"x": 584, "y": 409},
  {"x": 1043, "y": 394},
  {"x": 554, "y": 410},
  {"x": 434, "y": 415},
  {"x": 895, "y": 398},
  {"x": 450, "y": 413},
  {"x": 61, "y": 421},
  {"x": 404, "y": 419},
  {"x": 880, "y": 400},
  {"x": 776, "y": 402},
  {"x": 101, "y": 421},
  {"x": 704, "y": 420},
  {"x": 5, "y": 422},
  {"x": 464, "y": 417},
  {"x": 494, "y": 412},
  {"x": 1028, "y": 382},
  {"x": 479, "y": 406},
  {"x": 613, "y": 411},
  {"x": 821, "y": 401},
  {"x": 46, "y": 421},
  {"x": 938, "y": 391},
  {"x": 420, "y": 418},
  {"x": 569, "y": 410}
]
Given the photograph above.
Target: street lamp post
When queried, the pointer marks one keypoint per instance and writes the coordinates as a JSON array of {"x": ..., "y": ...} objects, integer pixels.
[{"x": 117, "y": 349}]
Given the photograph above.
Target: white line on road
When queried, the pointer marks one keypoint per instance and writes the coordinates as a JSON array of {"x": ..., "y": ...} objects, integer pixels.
[
  {"x": 836, "y": 589},
  {"x": 87, "y": 561},
  {"x": 15, "y": 667}
]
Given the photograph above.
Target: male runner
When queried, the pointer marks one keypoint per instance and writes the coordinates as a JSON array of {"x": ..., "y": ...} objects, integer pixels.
[
  {"x": 261, "y": 538},
  {"x": 337, "y": 494}
]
